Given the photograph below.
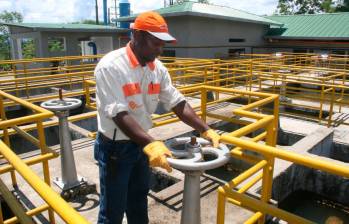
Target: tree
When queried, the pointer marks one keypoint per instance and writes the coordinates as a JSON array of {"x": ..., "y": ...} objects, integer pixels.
[
  {"x": 328, "y": 6},
  {"x": 290, "y": 7},
  {"x": 343, "y": 6},
  {"x": 7, "y": 17},
  {"x": 85, "y": 21}
]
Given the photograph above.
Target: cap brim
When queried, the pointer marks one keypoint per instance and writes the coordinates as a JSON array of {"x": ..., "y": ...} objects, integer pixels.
[{"x": 164, "y": 36}]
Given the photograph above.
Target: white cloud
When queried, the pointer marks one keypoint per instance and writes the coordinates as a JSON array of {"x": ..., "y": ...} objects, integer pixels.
[{"x": 63, "y": 11}]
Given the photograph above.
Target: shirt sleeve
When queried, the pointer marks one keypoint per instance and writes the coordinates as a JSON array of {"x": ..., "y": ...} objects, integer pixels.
[
  {"x": 109, "y": 98},
  {"x": 169, "y": 95}
]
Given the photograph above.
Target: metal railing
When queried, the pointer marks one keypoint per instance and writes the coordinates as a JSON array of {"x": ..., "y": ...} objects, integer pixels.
[
  {"x": 315, "y": 92},
  {"x": 14, "y": 164},
  {"x": 263, "y": 167}
]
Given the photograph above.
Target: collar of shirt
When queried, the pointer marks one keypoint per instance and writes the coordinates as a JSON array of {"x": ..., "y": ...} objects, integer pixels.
[{"x": 133, "y": 59}]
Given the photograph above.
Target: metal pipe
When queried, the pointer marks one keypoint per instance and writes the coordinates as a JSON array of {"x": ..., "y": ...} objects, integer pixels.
[
  {"x": 191, "y": 198},
  {"x": 69, "y": 174}
]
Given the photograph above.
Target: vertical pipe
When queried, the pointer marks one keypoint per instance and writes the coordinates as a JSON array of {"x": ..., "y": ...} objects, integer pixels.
[
  {"x": 191, "y": 198},
  {"x": 105, "y": 12},
  {"x": 69, "y": 174},
  {"x": 96, "y": 5}
]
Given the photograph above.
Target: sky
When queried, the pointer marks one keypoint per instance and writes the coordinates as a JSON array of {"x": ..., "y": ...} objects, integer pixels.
[{"x": 65, "y": 11}]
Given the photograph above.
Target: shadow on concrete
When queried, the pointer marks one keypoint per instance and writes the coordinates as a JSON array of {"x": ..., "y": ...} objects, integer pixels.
[
  {"x": 174, "y": 200},
  {"x": 29, "y": 205},
  {"x": 87, "y": 202}
]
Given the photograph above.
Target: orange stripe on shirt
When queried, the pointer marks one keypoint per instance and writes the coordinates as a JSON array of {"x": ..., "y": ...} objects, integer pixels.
[
  {"x": 131, "y": 89},
  {"x": 154, "y": 88}
]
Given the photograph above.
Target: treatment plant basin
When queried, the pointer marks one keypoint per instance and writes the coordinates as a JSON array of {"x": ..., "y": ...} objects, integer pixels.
[{"x": 188, "y": 157}]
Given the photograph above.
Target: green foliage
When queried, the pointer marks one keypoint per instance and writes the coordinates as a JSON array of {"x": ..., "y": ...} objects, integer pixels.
[
  {"x": 328, "y": 6},
  {"x": 343, "y": 6},
  {"x": 55, "y": 44},
  {"x": 7, "y": 17},
  {"x": 86, "y": 21},
  {"x": 28, "y": 48},
  {"x": 290, "y": 7}
]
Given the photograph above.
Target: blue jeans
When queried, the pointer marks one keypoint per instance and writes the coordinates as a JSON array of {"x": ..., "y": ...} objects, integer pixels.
[{"x": 124, "y": 181}]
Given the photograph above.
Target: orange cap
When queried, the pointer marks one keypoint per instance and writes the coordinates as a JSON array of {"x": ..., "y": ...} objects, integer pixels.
[{"x": 153, "y": 23}]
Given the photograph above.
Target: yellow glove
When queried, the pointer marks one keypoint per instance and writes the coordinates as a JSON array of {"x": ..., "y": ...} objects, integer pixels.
[
  {"x": 211, "y": 135},
  {"x": 157, "y": 153}
]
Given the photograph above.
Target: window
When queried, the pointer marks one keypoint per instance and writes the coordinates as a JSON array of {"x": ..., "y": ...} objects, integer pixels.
[
  {"x": 234, "y": 40},
  {"x": 27, "y": 48},
  {"x": 56, "y": 44}
]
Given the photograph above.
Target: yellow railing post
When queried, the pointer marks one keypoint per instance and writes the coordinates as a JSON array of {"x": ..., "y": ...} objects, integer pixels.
[
  {"x": 6, "y": 138},
  {"x": 221, "y": 201},
  {"x": 86, "y": 86},
  {"x": 329, "y": 122},
  {"x": 45, "y": 165},
  {"x": 26, "y": 79},
  {"x": 267, "y": 181},
  {"x": 321, "y": 100},
  {"x": 203, "y": 103},
  {"x": 15, "y": 78},
  {"x": 249, "y": 80}
]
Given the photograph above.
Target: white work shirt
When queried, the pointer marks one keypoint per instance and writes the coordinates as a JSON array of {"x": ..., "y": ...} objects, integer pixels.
[{"x": 122, "y": 84}]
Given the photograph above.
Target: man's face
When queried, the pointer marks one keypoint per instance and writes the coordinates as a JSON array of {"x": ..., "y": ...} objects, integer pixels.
[{"x": 150, "y": 47}]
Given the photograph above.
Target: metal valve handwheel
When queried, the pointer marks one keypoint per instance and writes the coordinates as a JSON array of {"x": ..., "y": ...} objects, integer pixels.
[
  {"x": 59, "y": 105},
  {"x": 190, "y": 157}
]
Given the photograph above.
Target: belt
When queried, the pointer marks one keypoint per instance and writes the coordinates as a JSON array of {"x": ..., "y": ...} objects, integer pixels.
[{"x": 106, "y": 139}]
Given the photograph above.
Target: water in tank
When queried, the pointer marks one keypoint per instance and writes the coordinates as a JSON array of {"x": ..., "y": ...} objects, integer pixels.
[{"x": 124, "y": 7}]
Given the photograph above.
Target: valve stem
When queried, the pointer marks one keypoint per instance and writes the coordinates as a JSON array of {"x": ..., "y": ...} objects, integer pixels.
[
  {"x": 60, "y": 94},
  {"x": 193, "y": 140}
]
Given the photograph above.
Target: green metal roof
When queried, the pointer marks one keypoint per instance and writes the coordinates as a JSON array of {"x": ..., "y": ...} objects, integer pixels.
[
  {"x": 314, "y": 26},
  {"x": 208, "y": 10},
  {"x": 60, "y": 26}
]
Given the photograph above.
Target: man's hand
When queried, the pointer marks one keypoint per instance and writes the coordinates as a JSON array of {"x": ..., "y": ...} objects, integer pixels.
[
  {"x": 211, "y": 135},
  {"x": 157, "y": 153}
]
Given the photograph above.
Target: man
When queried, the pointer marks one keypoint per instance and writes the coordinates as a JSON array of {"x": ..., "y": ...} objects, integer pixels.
[{"x": 129, "y": 83}]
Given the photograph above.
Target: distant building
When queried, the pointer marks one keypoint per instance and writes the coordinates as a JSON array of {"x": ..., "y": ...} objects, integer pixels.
[
  {"x": 208, "y": 31},
  {"x": 318, "y": 33},
  {"x": 52, "y": 40},
  {"x": 202, "y": 31}
]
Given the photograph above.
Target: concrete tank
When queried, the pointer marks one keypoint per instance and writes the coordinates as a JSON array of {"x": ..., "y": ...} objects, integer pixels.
[{"x": 124, "y": 10}]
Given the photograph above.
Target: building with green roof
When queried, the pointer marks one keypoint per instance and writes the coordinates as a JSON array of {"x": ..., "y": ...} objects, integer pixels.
[
  {"x": 71, "y": 39},
  {"x": 202, "y": 31},
  {"x": 208, "y": 31},
  {"x": 316, "y": 33}
]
